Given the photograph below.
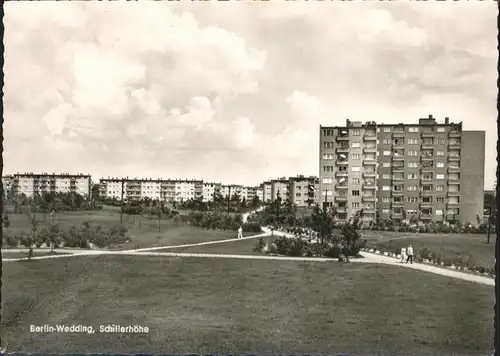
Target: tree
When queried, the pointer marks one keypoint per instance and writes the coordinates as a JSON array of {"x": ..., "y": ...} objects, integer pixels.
[
  {"x": 54, "y": 237},
  {"x": 5, "y": 221}
]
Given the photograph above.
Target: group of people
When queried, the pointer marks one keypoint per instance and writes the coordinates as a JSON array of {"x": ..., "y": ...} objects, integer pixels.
[{"x": 407, "y": 254}]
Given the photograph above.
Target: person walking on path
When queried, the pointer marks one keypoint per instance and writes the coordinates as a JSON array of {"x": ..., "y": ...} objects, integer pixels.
[
  {"x": 403, "y": 254},
  {"x": 240, "y": 232},
  {"x": 410, "y": 254}
]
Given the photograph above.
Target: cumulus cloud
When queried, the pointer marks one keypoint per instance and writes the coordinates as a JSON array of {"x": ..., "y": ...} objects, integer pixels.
[{"x": 163, "y": 89}]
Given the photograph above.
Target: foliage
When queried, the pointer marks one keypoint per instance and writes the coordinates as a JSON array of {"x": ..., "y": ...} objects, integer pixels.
[
  {"x": 260, "y": 245},
  {"x": 51, "y": 201}
]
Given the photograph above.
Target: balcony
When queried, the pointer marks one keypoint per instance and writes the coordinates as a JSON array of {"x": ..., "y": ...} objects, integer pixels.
[
  {"x": 371, "y": 149},
  {"x": 425, "y": 179},
  {"x": 452, "y": 169},
  {"x": 424, "y": 204},
  {"x": 453, "y": 180},
  {"x": 369, "y": 161},
  {"x": 427, "y": 166},
  {"x": 427, "y": 157},
  {"x": 398, "y": 157},
  {"x": 398, "y": 134},
  {"x": 453, "y": 193},
  {"x": 454, "y": 158},
  {"x": 343, "y": 174},
  {"x": 341, "y": 186},
  {"x": 342, "y": 162},
  {"x": 368, "y": 210},
  {"x": 370, "y": 137},
  {"x": 368, "y": 198},
  {"x": 341, "y": 198},
  {"x": 398, "y": 203},
  {"x": 425, "y": 216},
  {"x": 426, "y": 192},
  {"x": 426, "y": 145},
  {"x": 455, "y": 133},
  {"x": 369, "y": 174},
  {"x": 397, "y": 168},
  {"x": 427, "y": 134},
  {"x": 453, "y": 204},
  {"x": 369, "y": 186},
  {"x": 342, "y": 138},
  {"x": 341, "y": 149},
  {"x": 396, "y": 192},
  {"x": 397, "y": 178},
  {"x": 454, "y": 145},
  {"x": 396, "y": 215},
  {"x": 341, "y": 209}
]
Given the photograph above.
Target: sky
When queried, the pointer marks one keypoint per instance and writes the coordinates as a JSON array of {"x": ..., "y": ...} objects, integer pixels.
[{"x": 233, "y": 92}]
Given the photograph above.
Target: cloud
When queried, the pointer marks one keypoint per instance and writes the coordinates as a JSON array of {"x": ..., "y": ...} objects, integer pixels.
[{"x": 150, "y": 88}]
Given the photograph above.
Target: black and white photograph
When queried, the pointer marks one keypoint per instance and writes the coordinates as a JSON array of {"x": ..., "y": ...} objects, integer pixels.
[{"x": 249, "y": 177}]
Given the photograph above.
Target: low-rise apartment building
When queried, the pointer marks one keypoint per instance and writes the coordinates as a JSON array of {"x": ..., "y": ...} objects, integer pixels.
[
  {"x": 31, "y": 184},
  {"x": 303, "y": 190}
]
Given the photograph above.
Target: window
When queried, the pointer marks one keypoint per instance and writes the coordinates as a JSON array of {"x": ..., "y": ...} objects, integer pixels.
[
  {"x": 439, "y": 212},
  {"x": 355, "y": 205},
  {"x": 413, "y": 129},
  {"x": 398, "y": 199},
  {"x": 412, "y": 164},
  {"x": 387, "y": 129},
  {"x": 441, "y": 141},
  {"x": 355, "y": 132},
  {"x": 427, "y": 200},
  {"x": 387, "y": 141},
  {"x": 356, "y": 156},
  {"x": 412, "y": 176},
  {"x": 328, "y": 169},
  {"x": 386, "y": 164},
  {"x": 413, "y": 141},
  {"x": 398, "y": 210},
  {"x": 412, "y": 153},
  {"x": 385, "y": 211},
  {"x": 327, "y": 192},
  {"x": 355, "y": 145},
  {"x": 386, "y": 176},
  {"x": 355, "y": 193},
  {"x": 386, "y": 187},
  {"x": 387, "y": 153},
  {"x": 411, "y": 188},
  {"x": 439, "y": 188},
  {"x": 327, "y": 180},
  {"x": 328, "y": 144},
  {"x": 298, "y": 194},
  {"x": 440, "y": 129},
  {"x": 427, "y": 188},
  {"x": 385, "y": 199},
  {"x": 439, "y": 153},
  {"x": 343, "y": 169},
  {"x": 412, "y": 199},
  {"x": 440, "y": 200},
  {"x": 355, "y": 181},
  {"x": 439, "y": 164},
  {"x": 328, "y": 156},
  {"x": 439, "y": 176},
  {"x": 356, "y": 169}
]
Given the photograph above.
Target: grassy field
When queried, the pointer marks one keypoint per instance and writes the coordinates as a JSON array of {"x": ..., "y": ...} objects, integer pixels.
[
  {"x": 143, "y": 230},
  {"x": 242, "y": 247},
  {"x": 242, "y": 306},
  {"x": 453, "y": 244},
  {"x": 8, "y": 254}
]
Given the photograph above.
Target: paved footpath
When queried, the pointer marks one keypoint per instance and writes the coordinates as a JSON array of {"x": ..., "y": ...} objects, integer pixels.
[{"x": 368, "y": 257}]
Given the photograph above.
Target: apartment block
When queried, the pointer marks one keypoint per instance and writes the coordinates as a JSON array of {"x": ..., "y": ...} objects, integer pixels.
[
  {"x": 266, "y": 192},
  {"x": 260, "y": 193},
  {"x": 303, "y": 190},
  {"x": 430, "y": 171},
  {"x": 31, "y": 184},
  {"x": 279, "y": 187},
  {"x": 210, "y": 190}
]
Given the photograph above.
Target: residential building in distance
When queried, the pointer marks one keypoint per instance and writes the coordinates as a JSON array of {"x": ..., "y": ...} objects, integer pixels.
[
  {"x": 432, "y": 171},
  {"x": 31, "y": 184},
  {"x": 260, "y": 193},
  {"x": 279, "y": 187},
  {"x": 210, "y": 190},
  {"x": 266, "y": 192},
  {"x": 303, "y": 190}
]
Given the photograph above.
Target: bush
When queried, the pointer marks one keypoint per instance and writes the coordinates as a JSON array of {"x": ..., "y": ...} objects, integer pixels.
[
  {"x": 11, "y": 241},
  {"x": 333, "y": 251},
  {"x": 251, "y": 227}
]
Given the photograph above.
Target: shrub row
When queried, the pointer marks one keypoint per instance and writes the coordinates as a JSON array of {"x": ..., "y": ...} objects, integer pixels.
[{"x": 218, "y": 221}]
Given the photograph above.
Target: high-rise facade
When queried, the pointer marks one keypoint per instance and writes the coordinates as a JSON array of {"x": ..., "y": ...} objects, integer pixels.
[{"x": 427, "y": 171}]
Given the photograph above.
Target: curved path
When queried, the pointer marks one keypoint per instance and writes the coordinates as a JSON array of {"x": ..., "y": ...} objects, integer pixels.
[{"x": 368, "y": 257}]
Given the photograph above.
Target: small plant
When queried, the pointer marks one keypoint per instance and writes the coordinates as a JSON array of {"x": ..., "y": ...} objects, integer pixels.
[{"x": 259, "y": 247}]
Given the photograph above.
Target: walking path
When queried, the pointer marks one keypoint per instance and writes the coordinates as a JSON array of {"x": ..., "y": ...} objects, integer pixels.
[{"x": 367, "y": 257}]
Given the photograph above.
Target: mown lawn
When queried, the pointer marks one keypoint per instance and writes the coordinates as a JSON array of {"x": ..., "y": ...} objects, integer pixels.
[
  {"x": 8, "y": 254},
  {"x": 453, "y": 244},
  {"x": 241, "y": 247},
  {"x": 243, "y": 306},
  {"x": 143, "y": 230}
]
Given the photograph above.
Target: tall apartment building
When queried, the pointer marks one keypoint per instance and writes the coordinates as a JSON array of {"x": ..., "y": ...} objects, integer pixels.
[
  {"x": 31, "y": 184},
  {"x": 259, "y": 192},
  {"x": 303, "y": 190},
  {"x": 210, "y": 190},
  {"x": 432, "y": 171},
  {"x": 266, "y": 192}
]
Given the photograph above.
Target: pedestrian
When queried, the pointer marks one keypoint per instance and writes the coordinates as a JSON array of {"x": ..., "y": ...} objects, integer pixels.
[
  {"x": 240, "y": 232},
  {"x": 410, "y": 254},
  {"x": 403, "y": 254}
]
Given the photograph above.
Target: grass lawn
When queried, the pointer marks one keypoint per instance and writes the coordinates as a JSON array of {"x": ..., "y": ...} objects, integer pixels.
[
  {"x": 242, "y": 247},
  {"x": 143, "y": 230},
  {"x": 452, "y": 244},
  {"x": 8, "y": 254},
  {"x": 242, "y": 306}
]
